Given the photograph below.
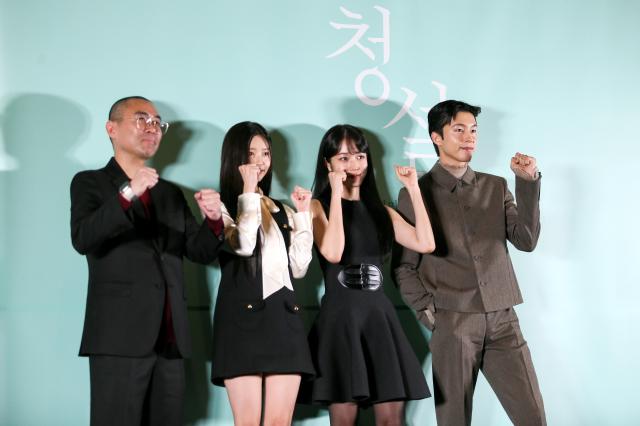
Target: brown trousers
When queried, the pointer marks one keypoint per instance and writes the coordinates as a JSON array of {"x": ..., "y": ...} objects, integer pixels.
[{"x": 462, "y": 344}]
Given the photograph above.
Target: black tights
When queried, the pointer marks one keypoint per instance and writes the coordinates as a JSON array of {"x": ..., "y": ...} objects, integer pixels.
[{"x": 387, "y": 413}]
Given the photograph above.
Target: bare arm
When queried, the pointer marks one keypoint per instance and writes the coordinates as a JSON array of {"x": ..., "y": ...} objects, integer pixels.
[
  {"x": 328, "y": 234},
  {"x": 407, "y": 275},
  {"x": 418, "y": 238}
]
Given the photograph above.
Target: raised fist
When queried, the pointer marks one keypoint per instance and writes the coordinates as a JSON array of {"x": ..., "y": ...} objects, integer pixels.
[
  {"x": 524, "y": 166},
  {"x": 249, "y": 173},
  {"x": 145, "y": 178},
  {"x": 209, "y": 202},
  {"x": 301, "y": 199},
  {"x": 336, "y": 180},
  {"x": 407, "y": 175}
]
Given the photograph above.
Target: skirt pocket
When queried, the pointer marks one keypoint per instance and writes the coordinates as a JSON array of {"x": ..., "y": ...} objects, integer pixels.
[
  {"x": 293, "y": 312},
  {"x": 249, "y": 314}
]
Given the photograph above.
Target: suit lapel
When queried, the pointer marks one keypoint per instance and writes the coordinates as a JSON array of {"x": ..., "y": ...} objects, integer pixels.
[
  {"x": 115, "y": 173},
  {"x": 118, "y": 178},
  {"x": 157, "y": 212}
]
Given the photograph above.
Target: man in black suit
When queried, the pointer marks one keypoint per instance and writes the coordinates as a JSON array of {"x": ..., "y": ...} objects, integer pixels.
[{"x": 134, "y": 229}]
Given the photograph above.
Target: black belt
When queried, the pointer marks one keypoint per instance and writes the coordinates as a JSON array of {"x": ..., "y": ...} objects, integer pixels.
[{"x": 361, "y": 277}]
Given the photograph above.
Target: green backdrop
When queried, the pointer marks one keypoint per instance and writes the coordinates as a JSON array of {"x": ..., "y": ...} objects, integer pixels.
[{"x": 555, "y": 79}]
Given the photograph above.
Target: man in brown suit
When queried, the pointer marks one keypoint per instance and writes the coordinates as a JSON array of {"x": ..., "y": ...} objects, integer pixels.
[{"x": 466, "y": 289}]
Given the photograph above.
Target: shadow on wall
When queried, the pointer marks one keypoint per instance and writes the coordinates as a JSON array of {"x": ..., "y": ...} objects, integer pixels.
[
  {"x": 487, "y": 158},
  {"x": 39, "y": 131},
  {"x": 300, "y": 141},
  {"x": 43, "y": 272},
  {"x": 387, "y": 145},
  {"x": 7, "y": 162},
  {"x": 188, "y": 153}
]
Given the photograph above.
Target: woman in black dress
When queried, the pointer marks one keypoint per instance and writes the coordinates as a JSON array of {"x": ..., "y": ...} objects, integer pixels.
[
  {"x": 361, "y": 354},
  {"x": 259, "y": 340}
]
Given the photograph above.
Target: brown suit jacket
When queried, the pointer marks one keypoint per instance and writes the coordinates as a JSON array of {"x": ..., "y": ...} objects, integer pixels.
[{"x": 472, "y": 219}]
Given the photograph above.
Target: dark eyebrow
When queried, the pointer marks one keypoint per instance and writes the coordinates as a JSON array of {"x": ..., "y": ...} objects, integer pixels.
[{"x": 147, "y": 114}]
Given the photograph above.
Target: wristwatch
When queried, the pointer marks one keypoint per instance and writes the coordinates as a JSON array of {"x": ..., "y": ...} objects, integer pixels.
[{"x": 127, "y": 192}]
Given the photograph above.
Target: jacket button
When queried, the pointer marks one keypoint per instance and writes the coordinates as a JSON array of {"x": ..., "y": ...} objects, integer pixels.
[
  {"x": 483, "y": 283},
  {"x": 296, "y": 308},
  {"x": 249, "y": 306}
]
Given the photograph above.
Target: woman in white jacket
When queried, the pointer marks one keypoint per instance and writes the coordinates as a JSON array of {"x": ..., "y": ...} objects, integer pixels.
[{"x": 259, "y": 341}]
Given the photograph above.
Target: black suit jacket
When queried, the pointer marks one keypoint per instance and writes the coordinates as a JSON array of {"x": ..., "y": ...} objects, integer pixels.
[{"x": 132, "y": 258}]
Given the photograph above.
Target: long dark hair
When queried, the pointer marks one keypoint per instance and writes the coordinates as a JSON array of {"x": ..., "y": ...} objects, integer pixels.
[
  {"x": 235, "y": 152},
  {"x": 330, "y": 146}
]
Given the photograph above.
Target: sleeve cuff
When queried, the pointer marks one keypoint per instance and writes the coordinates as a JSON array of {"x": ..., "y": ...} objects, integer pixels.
[
  {"x": 529, "y": 179},
  {"x": 247, "y": 202},
  {"x": 302, "y": 221},
  {"x": 126, "y": 204},
  {"x": 216, "y": 226}
]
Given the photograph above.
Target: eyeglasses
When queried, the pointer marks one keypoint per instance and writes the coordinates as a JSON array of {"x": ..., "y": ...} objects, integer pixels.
[{"x": 144, "y": 121}]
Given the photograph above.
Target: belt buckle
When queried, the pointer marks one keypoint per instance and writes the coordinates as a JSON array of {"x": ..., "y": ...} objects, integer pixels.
[
  {"x": 361, "y": 277},
  {"x": 371, "y": 277}
]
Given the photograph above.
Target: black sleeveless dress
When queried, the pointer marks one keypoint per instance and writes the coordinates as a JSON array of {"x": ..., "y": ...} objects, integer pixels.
[{"x": 359, "y": 349}]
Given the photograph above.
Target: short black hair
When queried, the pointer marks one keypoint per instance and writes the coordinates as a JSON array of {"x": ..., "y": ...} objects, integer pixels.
[
  {"x": 115, "y": 113},
  {"x": 444, "y": 112}
]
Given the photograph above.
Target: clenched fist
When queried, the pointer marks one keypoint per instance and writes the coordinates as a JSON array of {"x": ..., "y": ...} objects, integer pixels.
[
  {"x": 407, "y": 176},
  {"x": 301, "y": 199},
  {"x": 249, "y": 173},
  {"x": 145, "y": 178},
  {"x": 336, "y": 180},
  {"x": 209, "y": 203},
  {"x": 524, "y": 166}
]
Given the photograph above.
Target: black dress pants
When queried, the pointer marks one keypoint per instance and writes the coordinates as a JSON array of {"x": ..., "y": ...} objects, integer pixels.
[{"x": 137, "y": 391}]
